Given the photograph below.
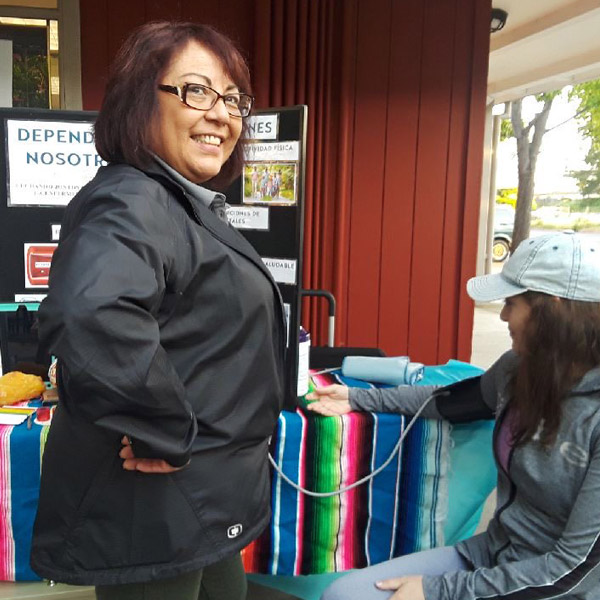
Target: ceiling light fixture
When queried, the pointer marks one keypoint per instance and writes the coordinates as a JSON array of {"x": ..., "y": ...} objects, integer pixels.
[{"x": 498, "y": 20}]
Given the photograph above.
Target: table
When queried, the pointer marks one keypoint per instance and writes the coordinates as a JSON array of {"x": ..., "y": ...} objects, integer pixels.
[{"x": 402, "y": 510}]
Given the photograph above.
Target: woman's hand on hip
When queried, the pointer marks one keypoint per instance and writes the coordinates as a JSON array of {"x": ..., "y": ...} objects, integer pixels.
[
  {"x": 145, "y": 465},
  {"x": 406, "y": 588},
  {"x": 330, "y": 400}
]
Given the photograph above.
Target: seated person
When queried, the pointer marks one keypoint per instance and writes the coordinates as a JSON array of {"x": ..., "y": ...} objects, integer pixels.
[{"x": 544, "y": 539}]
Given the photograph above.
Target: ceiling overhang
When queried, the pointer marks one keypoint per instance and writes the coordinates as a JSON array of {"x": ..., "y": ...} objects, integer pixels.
[{"x": 544, "y": 46}]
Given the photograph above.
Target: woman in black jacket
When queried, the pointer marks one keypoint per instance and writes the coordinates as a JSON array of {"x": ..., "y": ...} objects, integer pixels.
[{"x": 168, "y": 331}]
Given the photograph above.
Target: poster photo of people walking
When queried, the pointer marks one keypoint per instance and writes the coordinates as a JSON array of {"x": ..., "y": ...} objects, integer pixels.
[{"x": 272, "y": 183}]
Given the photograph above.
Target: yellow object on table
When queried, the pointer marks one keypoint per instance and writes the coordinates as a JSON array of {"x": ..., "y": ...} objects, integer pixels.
[{"x": 16, "y": 387}]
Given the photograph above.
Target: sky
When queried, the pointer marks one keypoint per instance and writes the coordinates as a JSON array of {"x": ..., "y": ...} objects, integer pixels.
[{"x": 563, "y": 149}]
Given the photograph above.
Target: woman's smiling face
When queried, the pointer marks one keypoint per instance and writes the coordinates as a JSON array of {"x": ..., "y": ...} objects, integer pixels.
[
  {"x": 196, "y": 143},
  {"x": 516, "y": 313}
]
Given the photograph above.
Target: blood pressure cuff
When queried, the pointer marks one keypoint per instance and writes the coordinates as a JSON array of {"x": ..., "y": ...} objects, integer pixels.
[{"x": 462, "y": 402}]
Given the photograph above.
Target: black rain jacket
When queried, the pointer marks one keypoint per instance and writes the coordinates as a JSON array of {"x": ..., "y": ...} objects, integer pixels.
[{"x": 169, "y": 329}]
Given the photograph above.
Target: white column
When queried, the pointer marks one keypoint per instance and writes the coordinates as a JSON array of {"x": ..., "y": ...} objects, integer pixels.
[{"x": 6, "y": 73}]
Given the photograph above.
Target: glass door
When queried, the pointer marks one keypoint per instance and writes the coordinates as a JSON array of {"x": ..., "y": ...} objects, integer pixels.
[{"x": 29, "y": 55}]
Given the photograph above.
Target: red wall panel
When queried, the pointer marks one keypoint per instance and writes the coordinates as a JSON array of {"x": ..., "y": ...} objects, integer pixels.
[
  {"x": 431, "y": 173},
  {"x": 94, "y": 52},
  {"x": 157, "y": 10},
  {"x": 105, "y": 23},
  {"x": 451, "y": 289},
  {"x": 124, "y": 16},
  {"x": 472, "y": 167},
  {"x": 368, "y": 169},
  {"x": 400, "y": 175}
]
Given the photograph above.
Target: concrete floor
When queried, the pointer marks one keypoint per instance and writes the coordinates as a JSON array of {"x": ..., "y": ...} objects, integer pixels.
[{"x": 41, "y": 590}]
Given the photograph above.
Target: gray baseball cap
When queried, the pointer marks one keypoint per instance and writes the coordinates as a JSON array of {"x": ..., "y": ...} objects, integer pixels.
[{"x": 562, "y": 264}]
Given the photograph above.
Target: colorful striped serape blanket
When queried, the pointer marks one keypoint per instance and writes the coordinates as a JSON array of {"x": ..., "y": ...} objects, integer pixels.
[
  {"x": 401, "y": 510},
  {"x": 21, "y": 450}
]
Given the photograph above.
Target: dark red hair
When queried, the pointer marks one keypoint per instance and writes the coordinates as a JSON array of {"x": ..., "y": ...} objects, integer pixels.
[
  {"x": 562, "y": 343},
  {"x": 130, "y": 104}
]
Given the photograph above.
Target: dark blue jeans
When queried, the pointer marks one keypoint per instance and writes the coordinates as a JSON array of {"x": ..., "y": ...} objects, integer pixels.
[{"x": 360, "y": 584}]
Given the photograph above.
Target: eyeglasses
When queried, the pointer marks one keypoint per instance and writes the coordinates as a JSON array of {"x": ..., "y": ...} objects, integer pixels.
[{"x": 202, "y": 97}]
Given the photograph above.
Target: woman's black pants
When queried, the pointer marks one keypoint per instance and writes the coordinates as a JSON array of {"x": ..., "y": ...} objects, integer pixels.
[{"x": 224, "y": 580}]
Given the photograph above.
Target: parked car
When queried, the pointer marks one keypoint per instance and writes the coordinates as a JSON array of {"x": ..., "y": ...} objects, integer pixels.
[{"x": 504, "y": 222}]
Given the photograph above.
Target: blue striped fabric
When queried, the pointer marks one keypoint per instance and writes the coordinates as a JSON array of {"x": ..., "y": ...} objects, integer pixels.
[{"x": 400, "y": 511}]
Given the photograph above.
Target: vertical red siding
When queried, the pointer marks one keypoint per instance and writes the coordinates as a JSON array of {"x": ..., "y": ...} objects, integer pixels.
[
  {"x": 431, "y": 173},
  {"x": 124, "y": 16},
  {"x": 105, "y": 23},
  {"x": 396, "y": 97},
  {"x": 157, "y": 10},
  {"x": 340, "y": 124},
  {"x": 368, "y": 171},
  {"x": 451, "y": 289},
  {"x": 478, "y": 86},
  {"x": 94, "y": 52},
  {"x": 400, "y": 175}
]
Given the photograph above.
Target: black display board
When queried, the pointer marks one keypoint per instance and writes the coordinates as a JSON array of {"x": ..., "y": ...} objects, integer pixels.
[
  {"x": 48, "y": 155},
  {"x": 45, "y": 157},
  {"x": 270, "y": 214}
]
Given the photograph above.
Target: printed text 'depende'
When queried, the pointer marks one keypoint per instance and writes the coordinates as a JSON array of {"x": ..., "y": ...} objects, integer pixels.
[
  {"x": 49, "y": 161},
  {"x": 59, "y": 136}
]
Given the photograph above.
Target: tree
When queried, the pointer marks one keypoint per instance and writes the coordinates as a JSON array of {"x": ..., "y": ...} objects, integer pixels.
[
  {"x": 529, "y": 142},
  {"x": 588, "y": 113},
  {"x": 588, "y": 180},
  {"x": 30, "y": 80}
]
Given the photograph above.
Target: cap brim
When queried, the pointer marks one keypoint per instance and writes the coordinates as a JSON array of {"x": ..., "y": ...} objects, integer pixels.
[{"x": 488, "y": 288}]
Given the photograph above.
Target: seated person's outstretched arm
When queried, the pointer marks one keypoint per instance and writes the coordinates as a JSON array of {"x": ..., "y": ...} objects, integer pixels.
[
  {"x": 330, "y": 400},
  {"x": 339, "y": 399},
  {"x": 463, "y": 401}
]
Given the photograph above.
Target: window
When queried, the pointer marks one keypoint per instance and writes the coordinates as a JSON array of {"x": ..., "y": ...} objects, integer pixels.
[
  {"x": 39, "y": 54},
  {"x": 33, "y": 53}
]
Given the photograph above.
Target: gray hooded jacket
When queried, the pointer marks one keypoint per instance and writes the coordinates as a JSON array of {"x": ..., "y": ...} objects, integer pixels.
[{"x": 544, "y": 539}]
